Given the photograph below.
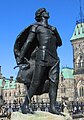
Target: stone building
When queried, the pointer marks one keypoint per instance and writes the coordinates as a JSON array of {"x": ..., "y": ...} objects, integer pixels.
[
  {"x": 71, "y": 85},
  {"x": 11, "y": 90},
  {"x": 66, "y": 85},
  {"x": 77, "y": 41}
]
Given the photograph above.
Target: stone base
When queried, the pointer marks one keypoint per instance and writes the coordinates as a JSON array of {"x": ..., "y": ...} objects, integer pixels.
[{"x": 39, "y": 115}]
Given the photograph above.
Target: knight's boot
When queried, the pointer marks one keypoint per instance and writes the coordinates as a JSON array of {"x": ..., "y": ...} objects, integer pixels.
[
  {"x": 25, "y": 106},
  {"x": 53, "y": 95}
]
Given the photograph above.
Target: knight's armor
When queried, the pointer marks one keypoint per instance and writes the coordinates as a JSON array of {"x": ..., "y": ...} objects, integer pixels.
[
  {"x": 46, "y": 39},
  {"x": 47, "y": 42}
]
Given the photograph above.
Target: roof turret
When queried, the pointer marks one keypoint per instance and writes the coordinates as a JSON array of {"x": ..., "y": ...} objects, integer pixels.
[
  {"x": 67, "y": 73},
  {"x": 79, "y": 29},
  {"x": 78, "y": 32}
]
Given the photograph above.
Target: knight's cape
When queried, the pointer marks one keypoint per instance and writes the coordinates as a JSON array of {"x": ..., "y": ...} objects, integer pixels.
[
  {"x": 20, "y": 40},
  {"x": 22, "y": 37}
]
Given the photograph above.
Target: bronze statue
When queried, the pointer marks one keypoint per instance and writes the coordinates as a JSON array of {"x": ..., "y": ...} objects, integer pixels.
[{"x": 45, "y": 39}]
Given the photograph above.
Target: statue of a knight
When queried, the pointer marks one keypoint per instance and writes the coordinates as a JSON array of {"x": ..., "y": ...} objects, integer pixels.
[{"x": 46, "y": 39}]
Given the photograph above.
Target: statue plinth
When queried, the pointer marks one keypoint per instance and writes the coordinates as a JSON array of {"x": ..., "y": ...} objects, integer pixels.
[{"x": 39, "y": 115}]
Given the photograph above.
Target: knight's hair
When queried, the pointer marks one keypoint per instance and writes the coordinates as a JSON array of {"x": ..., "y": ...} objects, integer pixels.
[{"x": 38, "y": 14}]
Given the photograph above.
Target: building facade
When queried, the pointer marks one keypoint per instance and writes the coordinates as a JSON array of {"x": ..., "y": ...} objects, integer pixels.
[
  {"x": 66, "y": 85},
  {"x": 14, "y": 91},
  {"x": 77, "y": 41},
  {"x": 11, "y": 90}
]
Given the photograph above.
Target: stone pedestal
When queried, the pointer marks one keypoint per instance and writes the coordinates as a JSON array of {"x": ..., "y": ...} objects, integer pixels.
[{"x": 39, "y": 115}]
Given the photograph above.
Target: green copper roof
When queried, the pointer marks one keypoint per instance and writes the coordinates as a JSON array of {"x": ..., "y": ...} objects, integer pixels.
[
  {"x": 8, "y": 84},
  {"x": 78, "y": 32},
  {"x": 67, "y": 73}
]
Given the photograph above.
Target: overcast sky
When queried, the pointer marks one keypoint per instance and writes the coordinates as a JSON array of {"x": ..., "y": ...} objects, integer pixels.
[{"x": 15, "y": 15}]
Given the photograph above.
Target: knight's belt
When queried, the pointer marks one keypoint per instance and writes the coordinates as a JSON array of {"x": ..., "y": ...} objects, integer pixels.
[
  {"x": 43, "y": 47},
  {"x": 46, "y": 49}
]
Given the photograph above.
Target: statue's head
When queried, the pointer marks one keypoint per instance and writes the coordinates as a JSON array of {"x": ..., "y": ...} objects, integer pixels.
[{"x": 41, "y": 13}]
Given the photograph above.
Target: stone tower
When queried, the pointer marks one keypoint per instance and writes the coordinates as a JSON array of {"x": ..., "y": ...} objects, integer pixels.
[{"x": 77, "y": 41}]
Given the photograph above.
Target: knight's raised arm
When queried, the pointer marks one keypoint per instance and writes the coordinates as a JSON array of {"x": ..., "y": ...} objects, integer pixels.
[{"x": 29, "y": 45}]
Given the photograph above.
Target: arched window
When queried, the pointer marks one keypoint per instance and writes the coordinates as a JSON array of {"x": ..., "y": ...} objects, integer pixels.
[
  {"x": 81, "y": 91},
  {"x": 21, "y": 100},
  {"x": 79, "y": 64},
  {"x": 15, "y": 86},
  {"x": 75, "y": 33},
  {"x": 10, "y": 94},
  {"x": 83, "y": 30},
  {"x": 5, "y": 94},
  {"x": 79, "y": 31},
  {"x": 63, "y": 90},
  {"x": 14, "y": 93},
  {"x": 82, "y": 62},
  {"x": 19, "y": 86}
]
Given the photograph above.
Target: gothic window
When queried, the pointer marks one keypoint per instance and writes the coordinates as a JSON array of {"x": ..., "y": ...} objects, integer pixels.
[
  {"x": 75, "y": 33},
  {"x": 21, "y": 100},
  {"x": 80, "y": 61},
  {"x": 10, "y": 94},
  {"x": 79, "y": 64},
  {"x": 83, "y": 30},
  {"x": 63, "y": 90},
  {"x": 14, "y": 93},
  {"x": 83, "y": 63},
  {"x": 81, "y": 25},
  {"x": 23, "y": 92},
  {"x": 77, "y": 26},
  {"x": 15, "y": 86},
  {"x": 18, "y": 86},
  {"x": 5, "y": 94},
  {"x": 78, "y": 31},
  {"x": 20, "y": 92},
  {"x": 81, "y": 91}
]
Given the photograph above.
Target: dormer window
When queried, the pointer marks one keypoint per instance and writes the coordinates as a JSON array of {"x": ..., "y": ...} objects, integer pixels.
[
  {"x": 81, "y": 25},
  {"x": 75, "y": 33},
  {"x": 83, "y": 30},
  {"x": 78, "y": 31},
  {"x": 77, "y": 26}
]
